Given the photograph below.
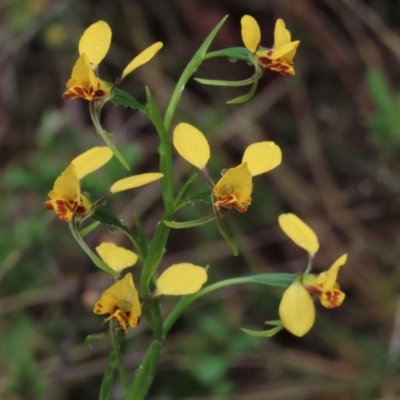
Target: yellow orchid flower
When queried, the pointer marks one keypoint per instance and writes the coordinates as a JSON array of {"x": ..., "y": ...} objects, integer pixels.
[
  {"x": 234, "y": 189},
  {"x": 121, "y": 301},
  {"x": 117, "y": 258},
  {"x": 66, "y": 198},
  {"x": 93, "y": 47},
  {"x": 278, "y": 58},
  {"x": 297, "y": 310},
  {"x": 181, "y": 279},
  {"x": 324, "y": 285}
]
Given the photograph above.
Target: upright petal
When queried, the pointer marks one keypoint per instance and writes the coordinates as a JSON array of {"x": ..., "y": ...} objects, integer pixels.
[
  {"x": 328, "y": 278},
  {"x": 116, "y": 257},
  {"x": 251, "y": 34},
  {"x": 144, "y": 57},
  {"x": 262, "y": 157},
  {"x": 296, "y": 309},
  {"x": 95, "y": 42},
  {"x": 91, "y": 160},
  {"x": 66, "y": 185},
  {"x": 299, "y": 232},
  {"x": 135, "y": 181},
  {"x": 191, "y": 144},
  {"x": 181, "y": 279},
  {"x": 281, "y": 34}
]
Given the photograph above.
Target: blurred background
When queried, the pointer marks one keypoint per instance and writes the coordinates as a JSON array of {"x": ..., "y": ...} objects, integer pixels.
[{"x": 338, "y": 124}]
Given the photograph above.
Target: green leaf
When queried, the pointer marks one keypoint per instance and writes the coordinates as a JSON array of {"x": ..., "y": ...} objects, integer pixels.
[
  {"x": 106, "y": 137},
  {"x": 125, "y": 99},
  {"x": 182, "y": 193},
  {"x": 231, "y": 53},
  {"x": 190, "y": 224},
  {"x": 250, "y": 94},
  {"x": 279, "y": 280},
  {"x": 103, "y": 215},
  {"x": 84, "y": 232},
  {"x": 268, "y": 333},
  {"x": 214, "y": 82}
]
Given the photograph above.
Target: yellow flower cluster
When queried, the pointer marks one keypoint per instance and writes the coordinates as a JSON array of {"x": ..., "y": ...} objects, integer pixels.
[
  {"x": 296, "y": 309},
  {"x": 121, "y": 300},
  {"x": 93, "y": 47},
  {"x": 66, "y": 198},
  {"x": 278, "y": 58},
  {"x": 235, "y": 187}
]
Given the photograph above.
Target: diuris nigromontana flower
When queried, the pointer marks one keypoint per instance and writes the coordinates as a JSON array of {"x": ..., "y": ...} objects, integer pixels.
[
  {"x": 121, "y": 299},
  {"x": 278, "y": 58},
  {"x": 296, "y": 309},
  {"x": 93, "y": 47},
  {"x": 66, "y": 198},
  {"x": 235, "y": 187}
]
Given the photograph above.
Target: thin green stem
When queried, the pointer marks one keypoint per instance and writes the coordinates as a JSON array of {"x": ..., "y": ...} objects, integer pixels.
[
  {"x": 280, "y": 280},
  {"x": 96, "y": 260}
]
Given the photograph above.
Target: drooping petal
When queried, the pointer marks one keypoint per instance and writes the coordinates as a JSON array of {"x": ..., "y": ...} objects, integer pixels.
[
  {"x": 281, "y": 34},
  {"x": 181, "y": 279},
  {"x": 328, "y": 278},
  {"x": 191, "y": 144},
  {"x": 91, "y": 160},
  {"x": 296, "y": 309},
  {"x": 262, "y": 157},
  {"x": 299, "y": 232},
  {"x": 121, "y": 300},
  {"x": 95, "y": 42},
  {"x": 251, "y": 34},
  {"x": 116, "y": 257},
  {"x": 135, "y": 181},
  {"x": 144, "y": 57},
  {"x": 234, "y": 188}
]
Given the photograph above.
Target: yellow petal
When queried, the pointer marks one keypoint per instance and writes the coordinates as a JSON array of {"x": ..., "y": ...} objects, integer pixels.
[
  {"x": 328, "y": 279},
  {"x": 281, "y": 34},
  {"x": 135, "y": 181},
  {"x": 116, "y": 257},
  {"x": 122, "y": 294},
  {"x": 286, "y": 52},
  {"x": 296, "y": 309},
  {"x": 236, "y": 185},
  {"x": 144, "y": 57},
  {"x": 262, "y": 157},
  {"x": 181, "y": 279},
  {"x": 251, "y": 34},
  {"x": 191, "y": 144},
  {"x": 66, "y": 186},
  {"x": 95, "y": 42},
  {"x": 91, "y": 160},
  {"x": 299, "y": 232},
  {"x": 81, "y": 71}
]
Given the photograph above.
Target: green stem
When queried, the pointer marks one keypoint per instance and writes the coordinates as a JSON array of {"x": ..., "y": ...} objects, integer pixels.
[
  {"x": 280, "y": 280},
  {"x": 96, "y": 260},
  {"x": 147, "y": 369}
]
